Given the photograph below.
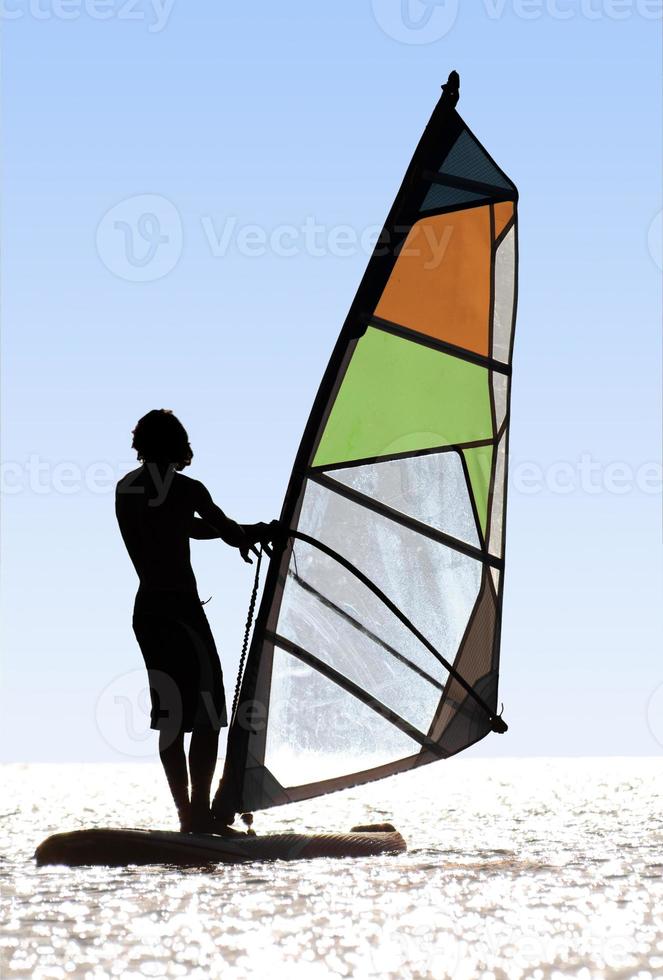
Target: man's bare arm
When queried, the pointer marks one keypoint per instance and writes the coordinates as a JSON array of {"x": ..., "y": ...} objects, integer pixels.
[
  {"x": 202, "y": 531},
  {"x": 228, "y": 530}
]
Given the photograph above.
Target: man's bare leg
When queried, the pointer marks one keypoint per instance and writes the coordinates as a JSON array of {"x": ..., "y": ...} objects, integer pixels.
[
  {"x": 173, "y": 759},
  {"x": 203, "y": 753},
  {"x": 202, "y": 762}
]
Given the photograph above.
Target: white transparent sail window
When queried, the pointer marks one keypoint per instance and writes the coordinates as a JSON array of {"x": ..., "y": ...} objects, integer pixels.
[
  {"x": 500, "y": 395},
  {"x": 318, "y": 731},
  {"x": 433, "y": 585},
  {"x": 497, "y": 508},
  {"x": 340, "y": 622},
  {"x": 430, "y": 488},
  {"x": 505, "y": 271}
]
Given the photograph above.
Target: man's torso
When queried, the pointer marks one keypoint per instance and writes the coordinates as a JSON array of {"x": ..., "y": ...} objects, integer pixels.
[{"x": 155, "y": 517}]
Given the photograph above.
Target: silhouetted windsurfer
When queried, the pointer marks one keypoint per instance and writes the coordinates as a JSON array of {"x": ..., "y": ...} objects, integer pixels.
[{"x": 156, "y": 508}]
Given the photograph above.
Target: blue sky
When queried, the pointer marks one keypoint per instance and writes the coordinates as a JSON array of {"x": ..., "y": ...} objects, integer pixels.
[{"x": 270, "y": 139}]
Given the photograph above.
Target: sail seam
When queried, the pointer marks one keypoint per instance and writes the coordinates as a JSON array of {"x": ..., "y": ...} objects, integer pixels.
[
  {"x": 466, "y": 184},
  {"x": 439, "y": 211},
  {"x": 475, "y": 512},
  {"x": 508, "y": 228},
  {"x": 407, "y": 454},
  {"x": 462, "y": 646},
  {"x": 406, "y": 333}
]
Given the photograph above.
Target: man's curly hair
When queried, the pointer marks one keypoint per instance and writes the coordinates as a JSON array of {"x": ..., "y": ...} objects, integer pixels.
[{"x": 160, "y": 437}]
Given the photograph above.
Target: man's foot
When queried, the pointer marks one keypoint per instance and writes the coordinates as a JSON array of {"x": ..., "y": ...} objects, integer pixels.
[
  {"x": 201, "y": 821},
  {"x": 224, "y": 830},
  {"x": 212, "y": 826}
]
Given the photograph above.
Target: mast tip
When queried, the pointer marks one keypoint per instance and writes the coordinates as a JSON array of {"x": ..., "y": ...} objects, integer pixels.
[{"x": 451, "y": 90}]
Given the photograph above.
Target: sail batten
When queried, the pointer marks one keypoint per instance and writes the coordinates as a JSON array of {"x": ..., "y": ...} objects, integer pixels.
[
  {"x": 377, "y": 643},
  {"x": 412, "y": 524},
  {"x": 365, "y": 630},
  {"x": 356, "y": 691}
]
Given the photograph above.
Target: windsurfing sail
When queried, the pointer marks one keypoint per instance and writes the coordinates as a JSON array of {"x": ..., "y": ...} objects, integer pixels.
[{"x": 377, "y": 643}]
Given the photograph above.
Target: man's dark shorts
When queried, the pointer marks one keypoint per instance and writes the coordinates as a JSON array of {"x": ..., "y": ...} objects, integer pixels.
[{"x": 186, "y": 681}]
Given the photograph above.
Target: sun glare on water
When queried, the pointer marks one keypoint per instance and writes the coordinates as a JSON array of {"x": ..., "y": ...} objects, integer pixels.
[{"x": 515, "y": 868}]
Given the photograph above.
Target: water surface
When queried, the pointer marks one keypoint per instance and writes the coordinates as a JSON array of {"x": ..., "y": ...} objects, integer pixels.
[{"x": 516, "y": 868}]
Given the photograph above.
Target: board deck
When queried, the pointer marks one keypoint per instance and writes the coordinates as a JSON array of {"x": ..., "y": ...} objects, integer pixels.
[{"x": 115, "y": 848}]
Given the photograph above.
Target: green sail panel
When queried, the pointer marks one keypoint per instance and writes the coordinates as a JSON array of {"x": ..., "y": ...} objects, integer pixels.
[
  {"x": 479, "y": 461},
  {"x": 399, "y": 396}
]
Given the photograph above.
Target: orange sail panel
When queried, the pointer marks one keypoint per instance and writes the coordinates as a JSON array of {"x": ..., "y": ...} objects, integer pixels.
[
  {"x": 440, "y": 285},
  {"x": 504, "y": 212}
]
